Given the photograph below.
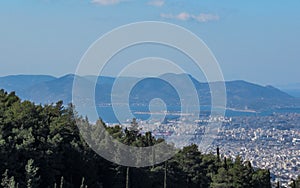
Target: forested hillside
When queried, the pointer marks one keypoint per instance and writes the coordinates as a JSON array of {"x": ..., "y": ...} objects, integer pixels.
[{"x": 40, "y": 146}]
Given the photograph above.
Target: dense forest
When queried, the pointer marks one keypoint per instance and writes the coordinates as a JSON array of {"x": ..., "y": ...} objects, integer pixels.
[{"x": 40, "y": 146}]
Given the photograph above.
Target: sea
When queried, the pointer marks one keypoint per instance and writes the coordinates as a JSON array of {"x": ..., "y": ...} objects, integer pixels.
[{"x": 142, "y": 112}]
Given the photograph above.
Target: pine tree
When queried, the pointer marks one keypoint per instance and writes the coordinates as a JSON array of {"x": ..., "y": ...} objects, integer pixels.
[
  {"x": 218, "y": 153},
  {"x": 32, "y": 179},
  {"x": 8, "y": 182},
  {"x": 222, "y": 179},
  {"x": 225, "y": 164},
  {"x": 134, "y": 126},
  {"x": 261, "y": 178},
  {"x": 240, "y": 173}
]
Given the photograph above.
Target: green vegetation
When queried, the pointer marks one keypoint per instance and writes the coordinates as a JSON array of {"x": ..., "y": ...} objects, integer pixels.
[
  {"x": 40, "y": 146},
  {"x": 295, "y": 183}
]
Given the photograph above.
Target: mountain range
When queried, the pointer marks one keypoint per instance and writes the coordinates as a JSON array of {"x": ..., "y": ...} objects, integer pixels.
[{"x": 241, "y": 95}]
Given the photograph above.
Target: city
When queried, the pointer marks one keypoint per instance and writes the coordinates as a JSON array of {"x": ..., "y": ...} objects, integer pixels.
[{"x": 268, "y": 142}]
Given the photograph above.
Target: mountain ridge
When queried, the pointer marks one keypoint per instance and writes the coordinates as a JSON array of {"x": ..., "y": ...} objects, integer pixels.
[{"x": 240, "y": 94}]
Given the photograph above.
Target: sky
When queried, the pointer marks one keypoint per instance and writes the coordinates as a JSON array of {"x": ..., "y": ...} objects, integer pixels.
[{"x": 256, "y": 41}]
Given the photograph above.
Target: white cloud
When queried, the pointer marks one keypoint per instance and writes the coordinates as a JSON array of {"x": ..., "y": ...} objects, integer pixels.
[
  {"x": 206, "y": 17},
  {"x": 157, "y": 3},
  {"x": 106, "y": 2},
  {"x": 183, "y": 16}
]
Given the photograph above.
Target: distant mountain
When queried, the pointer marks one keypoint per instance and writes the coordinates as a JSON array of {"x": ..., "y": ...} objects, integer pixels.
[
  {"x": 51, "y": 91},
  {"x": 292, "y": 89},
  {"x": 19, "y": 83},
  {"x": 240, "y": 94}
]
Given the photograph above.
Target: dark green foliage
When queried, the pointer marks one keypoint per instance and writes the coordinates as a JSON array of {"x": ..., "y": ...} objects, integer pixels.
[
  {"x": 261, "y": 178},
  {"x": 8, "y": 182},
  {"x": 40, "y": 146},
  {"x": 32, "y": 179},
  {"x": 240, "y": 174},
  {"x": 295, "y": 183}
]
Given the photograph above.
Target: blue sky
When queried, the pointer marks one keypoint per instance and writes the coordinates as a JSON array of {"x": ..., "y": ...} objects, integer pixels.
[{"x": 257, "y": 40}]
